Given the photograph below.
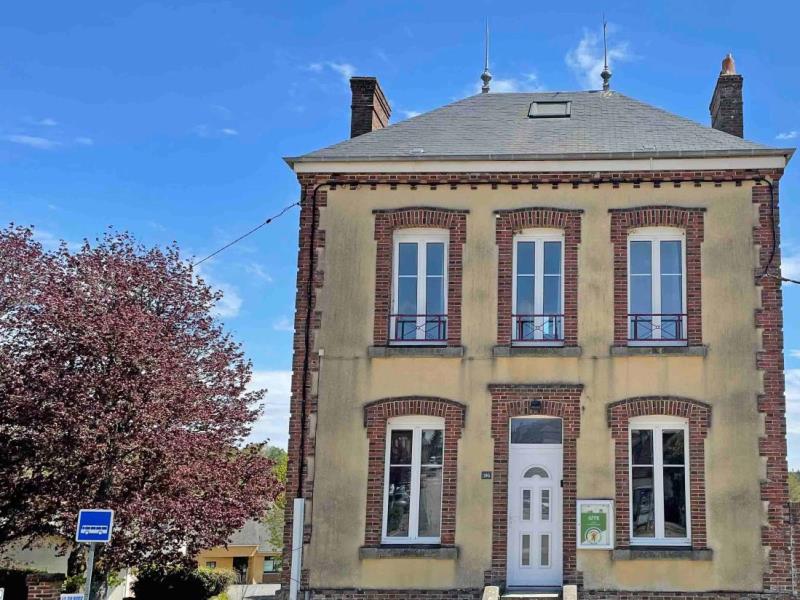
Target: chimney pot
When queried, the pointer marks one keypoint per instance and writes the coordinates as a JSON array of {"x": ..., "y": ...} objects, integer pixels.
[
  {"x": 369, "y": 109},
  {"x": 727, "y": 112}
]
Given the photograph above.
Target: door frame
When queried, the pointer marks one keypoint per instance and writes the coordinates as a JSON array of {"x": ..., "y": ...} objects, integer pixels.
[{"x": 519, "y": 400}]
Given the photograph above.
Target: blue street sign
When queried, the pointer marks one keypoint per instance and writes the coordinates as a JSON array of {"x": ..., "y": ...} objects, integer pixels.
[
  {"x": 94, "y": 526},
  {"x": 71, "y": 597}
]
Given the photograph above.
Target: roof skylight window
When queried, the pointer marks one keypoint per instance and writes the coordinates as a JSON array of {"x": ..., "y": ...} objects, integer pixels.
[{"x": 550, "y": 109}]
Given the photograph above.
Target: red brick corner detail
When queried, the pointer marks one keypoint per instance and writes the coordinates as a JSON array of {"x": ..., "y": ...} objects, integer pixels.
[
  {"x": 514, "y": 400},
  {"x": 688, "y": 219},
  {"x": 376, "y": 414},
  {"x": 775, "y": 535},
  {"x": 698, "y": 415},
  {"x": 508, "y": 223},
  {"x": 386, "y": 223}
]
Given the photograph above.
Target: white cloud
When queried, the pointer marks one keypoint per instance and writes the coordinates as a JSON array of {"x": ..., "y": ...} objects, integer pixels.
[
  {"x": 283, "y": 324},
  {"x": 32, "y": 141},
  {"x": 410, "y": 114},
  {"x": 51, "y": 241},
  {"x": 273, "y": 425},
  {"x": 528, "y": 82},
  {"x": 586, "y": 59},
  {"x": 206, "y": 131},
  {"x": 258, "y": 271},
  {"x": 344, "y": 70},
  {"x": 790, "y": 264},
  {"x": 787, "y": 135},
  {"x": 228, "y": 131},
  {"x": 47, "y": 122},
  {"x": 230, "y": 304},
  {"x": 84, "y": 141},
  {"x": 794, "y": 353}
]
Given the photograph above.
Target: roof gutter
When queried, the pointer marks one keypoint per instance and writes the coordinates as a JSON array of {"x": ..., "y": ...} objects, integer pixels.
[{"x": 786, "y": 153}]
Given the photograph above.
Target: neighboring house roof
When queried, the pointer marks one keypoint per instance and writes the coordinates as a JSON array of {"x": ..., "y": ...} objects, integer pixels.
[
  {"x": 253, "y": 534},
  {"x": 497, "y": 127}
]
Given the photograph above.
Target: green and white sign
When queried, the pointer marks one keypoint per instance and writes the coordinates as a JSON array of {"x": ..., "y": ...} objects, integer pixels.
[{"x": 596, "y": 524}]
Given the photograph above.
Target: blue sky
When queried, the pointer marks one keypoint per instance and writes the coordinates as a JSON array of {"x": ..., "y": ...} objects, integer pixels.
[{"x": 169, "y": 119}]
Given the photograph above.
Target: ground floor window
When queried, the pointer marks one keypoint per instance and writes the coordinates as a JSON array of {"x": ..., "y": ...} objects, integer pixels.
[
  {"x": 659, "y": 493},
  {"x": 271, "y": 565},
  {"x": 413, "y": 486}
]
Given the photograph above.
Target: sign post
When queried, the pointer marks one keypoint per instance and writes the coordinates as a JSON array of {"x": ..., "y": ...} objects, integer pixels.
[{"x": 94, "y": 527}]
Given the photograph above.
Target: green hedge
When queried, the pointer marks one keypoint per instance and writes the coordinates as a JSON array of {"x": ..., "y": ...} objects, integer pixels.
[{"x": 155, "y": 583}]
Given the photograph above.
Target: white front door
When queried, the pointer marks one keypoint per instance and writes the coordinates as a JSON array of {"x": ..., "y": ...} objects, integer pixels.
[{"x": 534, "y": 505}]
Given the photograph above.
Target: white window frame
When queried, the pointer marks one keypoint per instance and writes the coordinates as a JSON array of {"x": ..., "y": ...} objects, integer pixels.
[
  {"x": 418, "y": 236},
  {"x": 658, "y": 425},
  {"x": 539, "y": 237},
  {"x": 416, "y": 424},
  {"x": 656, "y": 235}
]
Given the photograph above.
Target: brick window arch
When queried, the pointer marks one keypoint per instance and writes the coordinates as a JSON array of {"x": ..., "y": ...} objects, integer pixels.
[
  {"x": 690, "y": 220},
  {"x": 698, "y": 416},
  {"x": 509, "y": 223},
  {"x": 376, "y": 415},
  {"x": 387, "y": 221}
]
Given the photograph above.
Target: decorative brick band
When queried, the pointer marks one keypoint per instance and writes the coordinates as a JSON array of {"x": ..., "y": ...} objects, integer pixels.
[
  {"x": 376, "y": 414},
  {"x": 397, "y": 594},
  {"x": 698, "y": 416},
  {"x": 647, "y": 595},
  {"x": 688, "y": 219},
  {"x": 508, "y": 223},
  {"x": 389, "y": 221},
  {"x": 513, "y": 400},
  {"x": 775, "y": 534}
]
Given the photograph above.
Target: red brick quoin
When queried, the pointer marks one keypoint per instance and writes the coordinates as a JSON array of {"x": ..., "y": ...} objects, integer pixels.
[
  {"x": 515, "y": 400},
  {"x": 698, "y": 415},
  {"x": 688, "y": 219},
  {"x": 508, "y": 223},
  {"x": 386, "y": 223},
  {"x": 376, "y": 414}
]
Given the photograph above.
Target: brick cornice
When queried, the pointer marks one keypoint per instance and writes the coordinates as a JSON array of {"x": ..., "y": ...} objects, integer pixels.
[
  {"x": 376, "y": 415},
  {"x": 698, "y": 417}
]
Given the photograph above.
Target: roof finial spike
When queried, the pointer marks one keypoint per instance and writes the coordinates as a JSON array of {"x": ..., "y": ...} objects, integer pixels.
[
  {"x": 606, "y": 73},
  {"x": 486, "y": 76}
]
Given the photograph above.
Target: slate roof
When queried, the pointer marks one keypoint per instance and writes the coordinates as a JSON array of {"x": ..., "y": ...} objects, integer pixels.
[
  {"x": 253, "y": 534},
  {"x": 497, "y": 127}
]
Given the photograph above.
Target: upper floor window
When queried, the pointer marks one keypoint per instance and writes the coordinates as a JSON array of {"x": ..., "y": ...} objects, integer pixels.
[
  {"x": 413, "y": 492},
  {"x": 659, "y": 481},
  {"x": 419, "y": 313},
  {"x": 538, "y": 288},
  {"x": 656, "y": 287}
]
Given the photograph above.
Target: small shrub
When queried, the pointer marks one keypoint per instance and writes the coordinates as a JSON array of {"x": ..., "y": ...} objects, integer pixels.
[{"x": 179, "y": 583}]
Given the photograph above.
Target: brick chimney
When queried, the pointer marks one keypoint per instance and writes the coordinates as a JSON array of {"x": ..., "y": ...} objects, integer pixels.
[
  {"x": 370, "y": 110},
  {"x": 726, "y": 103}
]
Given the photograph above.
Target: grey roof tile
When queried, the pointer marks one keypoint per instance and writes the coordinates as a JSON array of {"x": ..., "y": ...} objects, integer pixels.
[{"x": 497, "y": 126}]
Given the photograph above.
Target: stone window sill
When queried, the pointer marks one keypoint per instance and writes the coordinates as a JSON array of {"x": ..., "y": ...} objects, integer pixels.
[
  {"x": 653, "y": 553},
  {"x": 659, "y": 350},
  {"x": 420, "y": 551},
  {"x": 502, "y": 351},
  {"x": 422, "y": 351}
]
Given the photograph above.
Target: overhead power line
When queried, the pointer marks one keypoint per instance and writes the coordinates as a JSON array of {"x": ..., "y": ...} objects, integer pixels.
[{"x": 252, "y": 231}]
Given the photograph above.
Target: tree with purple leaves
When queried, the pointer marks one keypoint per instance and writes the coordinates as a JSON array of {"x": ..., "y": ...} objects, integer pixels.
[{"x": 120, "y": 390}]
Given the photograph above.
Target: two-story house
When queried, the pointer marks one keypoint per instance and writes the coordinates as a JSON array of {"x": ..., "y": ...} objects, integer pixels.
[{"x": 539, "y": 346}]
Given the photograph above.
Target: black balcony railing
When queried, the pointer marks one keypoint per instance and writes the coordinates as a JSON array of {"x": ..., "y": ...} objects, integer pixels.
[
  {"x": 663, "y": 327},
  {"x": 425, "y": 329},
  {"x": 545, "y": 328}
]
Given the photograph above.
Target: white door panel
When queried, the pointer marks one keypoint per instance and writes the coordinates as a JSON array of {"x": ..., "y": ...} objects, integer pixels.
[{"x": 534, "y": 515}]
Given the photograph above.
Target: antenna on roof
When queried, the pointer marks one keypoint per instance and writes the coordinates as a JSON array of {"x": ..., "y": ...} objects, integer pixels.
[
  {"x": 486, "y": 76},
  {"x": 605, "y": 74}
]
